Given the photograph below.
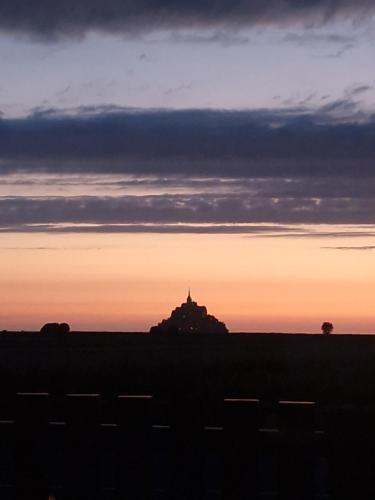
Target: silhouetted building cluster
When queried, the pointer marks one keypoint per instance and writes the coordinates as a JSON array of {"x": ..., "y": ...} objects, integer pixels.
[
  {"x": 190, "y": 318},
  {"x": 55, "y": 328}
]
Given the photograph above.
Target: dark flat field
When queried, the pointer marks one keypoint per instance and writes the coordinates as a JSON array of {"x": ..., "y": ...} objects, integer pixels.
[
  {"x": 196, "y": 443},
  {"x": 335, "y": 369}
]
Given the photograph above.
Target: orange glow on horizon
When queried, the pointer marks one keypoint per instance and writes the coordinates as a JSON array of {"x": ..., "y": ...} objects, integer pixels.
[{"x": 130, "y": 282}]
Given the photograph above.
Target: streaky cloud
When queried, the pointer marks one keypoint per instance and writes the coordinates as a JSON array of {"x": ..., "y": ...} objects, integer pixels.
[
  {"x": 255, "y": 230},
  {"x": 185, "y": 209},
  {"x": 313, "y": 38},
  {"x": 223, "y": 38},
  {"x": 245, "y": 230},
  {"x": 364, "y": 248},
  {"x": 49, "y": 21}
]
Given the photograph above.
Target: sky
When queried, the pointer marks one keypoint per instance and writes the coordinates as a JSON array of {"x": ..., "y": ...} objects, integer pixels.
[{"x": 151, "y": 146}]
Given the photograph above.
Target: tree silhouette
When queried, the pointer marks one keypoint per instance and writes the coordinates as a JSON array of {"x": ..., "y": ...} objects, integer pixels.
[{"x": 327, "y": 328}]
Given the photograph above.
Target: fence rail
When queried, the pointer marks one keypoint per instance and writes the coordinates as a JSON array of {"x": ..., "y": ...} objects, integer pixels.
[{"x": 87, "y": 446}]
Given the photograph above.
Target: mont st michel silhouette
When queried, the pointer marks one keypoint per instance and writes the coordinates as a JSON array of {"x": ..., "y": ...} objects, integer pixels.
[{"x": 190, "y": 318}]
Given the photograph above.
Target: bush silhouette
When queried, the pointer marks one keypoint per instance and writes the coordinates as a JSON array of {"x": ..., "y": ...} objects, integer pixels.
[{"x": 55, "y": 328}]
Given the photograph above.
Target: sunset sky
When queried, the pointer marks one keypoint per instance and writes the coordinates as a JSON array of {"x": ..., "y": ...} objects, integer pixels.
[{"x": 151, "y": 146}]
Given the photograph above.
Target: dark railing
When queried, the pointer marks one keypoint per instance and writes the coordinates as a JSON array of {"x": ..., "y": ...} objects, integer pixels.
[{"x": 85, "y": 446}]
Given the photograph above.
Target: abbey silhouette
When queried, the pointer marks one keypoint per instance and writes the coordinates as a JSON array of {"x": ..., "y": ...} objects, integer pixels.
[{"x": 190, "y": 318}]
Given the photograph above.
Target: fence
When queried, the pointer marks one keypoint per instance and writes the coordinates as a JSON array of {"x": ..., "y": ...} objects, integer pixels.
[{"x": 72, "y": 447}]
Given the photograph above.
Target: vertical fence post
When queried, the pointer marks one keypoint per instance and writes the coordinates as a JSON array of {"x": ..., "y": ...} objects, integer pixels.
[
  {"x": 7, "y": 459},
  {"x": 241, "y": 440},
  {"x": 31, "y": 446},
  {"x": 82, "y": 471},
  {"x": 187, "y": 464},
  {"x": 134, "y": 455},
  {"x": 350, "y": 448},
  {"x": 297, "y": 450}
]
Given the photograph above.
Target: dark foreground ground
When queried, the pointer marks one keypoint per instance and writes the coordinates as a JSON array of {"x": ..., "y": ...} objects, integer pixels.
[
  {"x": 339, "y": 368},
  {"x": 186, "y": 442}
]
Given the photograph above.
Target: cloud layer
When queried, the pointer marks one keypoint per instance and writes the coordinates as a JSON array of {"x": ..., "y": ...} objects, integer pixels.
[
  {"x": 208, "y": 209},
  {"x": 46, "y": 19},
  {"x": 172, "y": 171},
  {"x": 335, "y": 139}
]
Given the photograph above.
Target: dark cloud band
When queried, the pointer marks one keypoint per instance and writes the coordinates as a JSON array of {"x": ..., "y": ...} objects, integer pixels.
[
  {"x": 178, "y": 209},
  {"x": 47, "y": 19},
  {"x": 192, "y": 142}
]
